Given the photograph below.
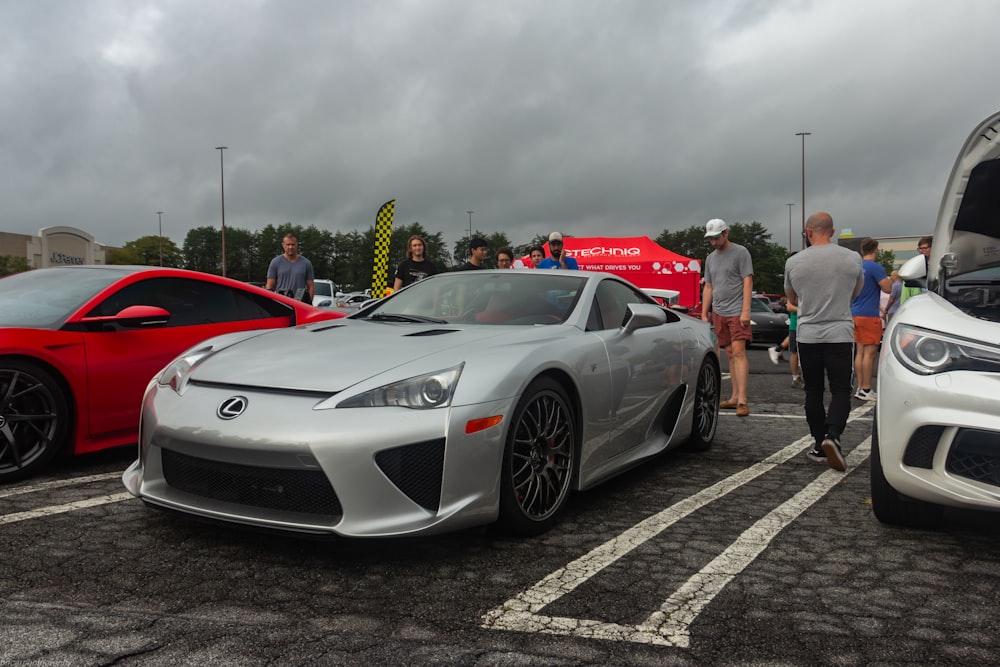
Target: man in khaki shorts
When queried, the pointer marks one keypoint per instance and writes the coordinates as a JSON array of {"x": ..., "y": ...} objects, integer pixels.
[{"x": 728, "y": 290}]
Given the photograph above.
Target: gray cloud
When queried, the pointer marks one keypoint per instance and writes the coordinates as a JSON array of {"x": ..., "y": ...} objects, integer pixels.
[{"x": 592, "y": 117}]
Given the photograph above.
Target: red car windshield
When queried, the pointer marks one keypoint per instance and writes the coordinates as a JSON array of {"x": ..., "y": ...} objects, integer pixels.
[{"x": 44, "y": 298}]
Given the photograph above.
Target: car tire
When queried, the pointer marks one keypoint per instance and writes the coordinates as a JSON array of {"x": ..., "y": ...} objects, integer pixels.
[
  {"x": 893, "y": 507},
  {"x": 538, "y": 460},
  {"x": 34, "y": 419},
  {"x": 705, "y": 412}
]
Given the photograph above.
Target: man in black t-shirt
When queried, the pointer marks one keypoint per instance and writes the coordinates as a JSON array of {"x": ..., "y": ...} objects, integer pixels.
[
  {"x": 416, "y": 266},
  {"x": 478, "y": 250}
]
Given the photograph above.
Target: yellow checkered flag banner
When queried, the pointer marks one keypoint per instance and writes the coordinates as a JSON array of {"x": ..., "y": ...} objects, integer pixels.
[{"x": 383, "y": 237}]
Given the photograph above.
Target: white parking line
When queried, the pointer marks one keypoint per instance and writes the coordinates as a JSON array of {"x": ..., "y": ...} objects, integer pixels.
[
  {"x": 68, "y": 507},
  {"x": 668, "y": 626},
  {"x": 57, "y": 483}
]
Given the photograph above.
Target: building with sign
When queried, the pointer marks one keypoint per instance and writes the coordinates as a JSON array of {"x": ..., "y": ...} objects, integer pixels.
[{"x": 54, "y": 246}]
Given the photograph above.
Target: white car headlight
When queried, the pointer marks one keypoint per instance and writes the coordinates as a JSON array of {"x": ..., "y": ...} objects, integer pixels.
[
  {"x": 432, "y": 390},
  {"x": 927, "y": 352},
  {"x": 176, "y": 374}
]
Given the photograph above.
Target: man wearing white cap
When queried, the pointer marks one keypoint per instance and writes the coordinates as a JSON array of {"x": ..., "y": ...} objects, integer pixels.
[
  {"x": 728, "y": 290},
  {"x": 558, "y": 260}
]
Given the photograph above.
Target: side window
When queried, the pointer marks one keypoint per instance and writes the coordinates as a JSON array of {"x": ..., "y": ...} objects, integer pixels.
[
  {"x": 611, "y": 299},
  {"x": 192, "y": 302}
]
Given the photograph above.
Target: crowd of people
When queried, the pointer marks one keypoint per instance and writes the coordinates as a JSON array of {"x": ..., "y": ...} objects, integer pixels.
[{"x": 838, "y": 300}]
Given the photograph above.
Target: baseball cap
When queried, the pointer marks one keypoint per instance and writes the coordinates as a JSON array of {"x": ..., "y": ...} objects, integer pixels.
[
  {"x": 555, "y": 236},
  {"x": 714, "y": 227}
]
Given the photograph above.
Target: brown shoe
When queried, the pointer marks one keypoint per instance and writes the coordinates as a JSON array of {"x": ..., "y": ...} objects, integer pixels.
[
  {"x": 727, "y": 405},
  {"x": 742, "y": 410}
]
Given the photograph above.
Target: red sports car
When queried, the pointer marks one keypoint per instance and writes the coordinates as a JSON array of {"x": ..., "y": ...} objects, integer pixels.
[{"x": 79, "y": 344}]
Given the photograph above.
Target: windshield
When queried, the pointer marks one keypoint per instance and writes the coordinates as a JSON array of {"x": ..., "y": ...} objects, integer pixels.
[
  {"x": 44, "y": 298},
  {"x": 760, "y": 306},
  {"x": 322, "y": 289},
  {"x": 478, "y": 297}
]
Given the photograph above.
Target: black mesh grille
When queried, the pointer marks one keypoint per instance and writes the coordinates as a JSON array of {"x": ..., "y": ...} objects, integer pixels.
[
  {"x": 416, "y": 470},
  {"x": 923, "y": 443},
  {"x": 306, "y": 491},
  {"x": 975, "y": 455}
]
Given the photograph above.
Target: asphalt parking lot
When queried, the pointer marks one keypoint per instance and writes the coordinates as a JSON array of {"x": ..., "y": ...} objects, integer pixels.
[{"x": 746, "y": 554}]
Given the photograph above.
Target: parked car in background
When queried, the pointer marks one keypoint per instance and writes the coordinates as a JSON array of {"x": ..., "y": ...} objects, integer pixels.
[
  {"x": 323, "y": 293},
  {"x": 79, "y": 344},
  {"x": 664, "y": 297},
  {"x": 773, "y": 300},
  {"x": 353, "y": 300},
  {"x": 936, "y": 432},
  {"x": 468, "y": 397},
  {"x": 768, "y": 327}
]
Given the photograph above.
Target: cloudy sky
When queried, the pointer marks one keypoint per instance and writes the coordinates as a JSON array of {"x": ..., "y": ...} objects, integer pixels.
[{"x": 592, "y": 117}]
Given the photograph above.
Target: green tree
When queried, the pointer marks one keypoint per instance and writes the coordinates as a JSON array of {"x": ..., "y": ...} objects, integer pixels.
[
  {"x": 123, "y": 256},
  {"x": 146, "y": 250},
  {"x": 203, "y": 250},
  {"x": 887, "y": 259},
  {"x": 10, "y": 264}
]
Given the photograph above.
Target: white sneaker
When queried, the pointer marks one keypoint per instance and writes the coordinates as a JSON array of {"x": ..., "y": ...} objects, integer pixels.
[
  {"x": 864, "y": 395},
  {"x": 774, "y": 354}
]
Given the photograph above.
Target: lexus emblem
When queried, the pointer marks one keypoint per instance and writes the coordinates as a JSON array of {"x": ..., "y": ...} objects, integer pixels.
[{"x": 232, "y": 407}]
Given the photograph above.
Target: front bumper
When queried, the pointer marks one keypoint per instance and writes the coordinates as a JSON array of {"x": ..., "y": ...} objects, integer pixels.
[
  {"x": 361, "y": 472},
  {"x": 939, "y": 435}
]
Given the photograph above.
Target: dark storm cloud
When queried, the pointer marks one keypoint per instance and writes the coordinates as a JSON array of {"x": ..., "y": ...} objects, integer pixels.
[{"x": 589, "y": 117}]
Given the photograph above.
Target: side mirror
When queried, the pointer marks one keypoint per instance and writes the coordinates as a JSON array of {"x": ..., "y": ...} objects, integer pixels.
[
  {"x": 642, "y": 316},
  {"x": 914, "y": 272},
  {"x": 133, "y": 317}
]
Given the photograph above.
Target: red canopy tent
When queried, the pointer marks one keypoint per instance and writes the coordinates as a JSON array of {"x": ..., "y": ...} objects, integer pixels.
[{"x": 639, "y": 260}]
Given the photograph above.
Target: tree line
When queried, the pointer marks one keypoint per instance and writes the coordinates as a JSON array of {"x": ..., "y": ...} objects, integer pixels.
[{"x": 347, "y": 258}]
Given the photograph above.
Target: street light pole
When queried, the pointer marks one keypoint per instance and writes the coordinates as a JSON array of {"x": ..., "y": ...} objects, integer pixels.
[
  {"x": 222, "y": 190},
  {"x": 803, "y": 135},
  {"x": 470, "y": 224},
  {"x": 159, "y": 216},
  {"x": 789, "y": 226}
]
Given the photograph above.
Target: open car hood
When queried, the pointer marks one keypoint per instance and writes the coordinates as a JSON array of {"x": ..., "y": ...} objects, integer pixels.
[{"x": 967, "y": 234}]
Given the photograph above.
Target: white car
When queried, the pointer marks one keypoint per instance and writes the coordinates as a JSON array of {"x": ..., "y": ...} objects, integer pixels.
[
  {"x": 323, "y": 293},
  {"x": 936, "y": 432}
]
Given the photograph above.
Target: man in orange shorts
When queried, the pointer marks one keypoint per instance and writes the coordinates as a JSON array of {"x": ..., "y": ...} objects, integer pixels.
[
  {"x": 867, "y": 322},
  {"x": 728, "y": 290}
]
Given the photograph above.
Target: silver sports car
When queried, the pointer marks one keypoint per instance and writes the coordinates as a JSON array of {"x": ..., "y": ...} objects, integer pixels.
[
  {"x": 936, "y": 432},
  {"x": 466, "y": 398}
]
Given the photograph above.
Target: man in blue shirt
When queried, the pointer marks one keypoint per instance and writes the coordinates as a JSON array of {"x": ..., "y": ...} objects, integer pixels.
[
  {"x": 867, "y": 321},
  {"x": 558, "y": 260}
]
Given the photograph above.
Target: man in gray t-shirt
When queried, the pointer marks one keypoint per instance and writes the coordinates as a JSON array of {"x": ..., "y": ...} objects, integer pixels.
[
  {"x": 290, "y": 272},
  {"x": 728, "y": 290},
  {"x": 822, "y": 280}
]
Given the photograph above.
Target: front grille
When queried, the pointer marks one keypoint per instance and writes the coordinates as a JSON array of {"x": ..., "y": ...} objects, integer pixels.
[
  {"x": 416, "y": 470},
  {"x": 305, "y": 491},
  {"x": 975, "y": 455},
  {"x": 921, "y": 447}
]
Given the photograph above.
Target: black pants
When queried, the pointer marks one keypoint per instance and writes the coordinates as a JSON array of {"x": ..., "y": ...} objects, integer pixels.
[{"x": 835, "y": 361}]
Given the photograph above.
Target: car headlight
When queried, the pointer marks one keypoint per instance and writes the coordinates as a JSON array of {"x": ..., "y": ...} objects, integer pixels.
[
  {"x": 432, "y": 390},
  {"x": 927, "y": 352},
  {"x": 176, "y": 374}
]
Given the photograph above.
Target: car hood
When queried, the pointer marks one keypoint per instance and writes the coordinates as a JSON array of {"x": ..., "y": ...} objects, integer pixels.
[
  {"x": 331, "y": 357},
  {"x": 967, "y": 234}
]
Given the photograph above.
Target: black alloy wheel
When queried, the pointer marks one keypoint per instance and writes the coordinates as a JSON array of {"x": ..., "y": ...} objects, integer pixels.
[
  {"x": 705, "y": 419},
  {"x": 34, "y": 418},
  {"x": 538, "y": 459}
]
